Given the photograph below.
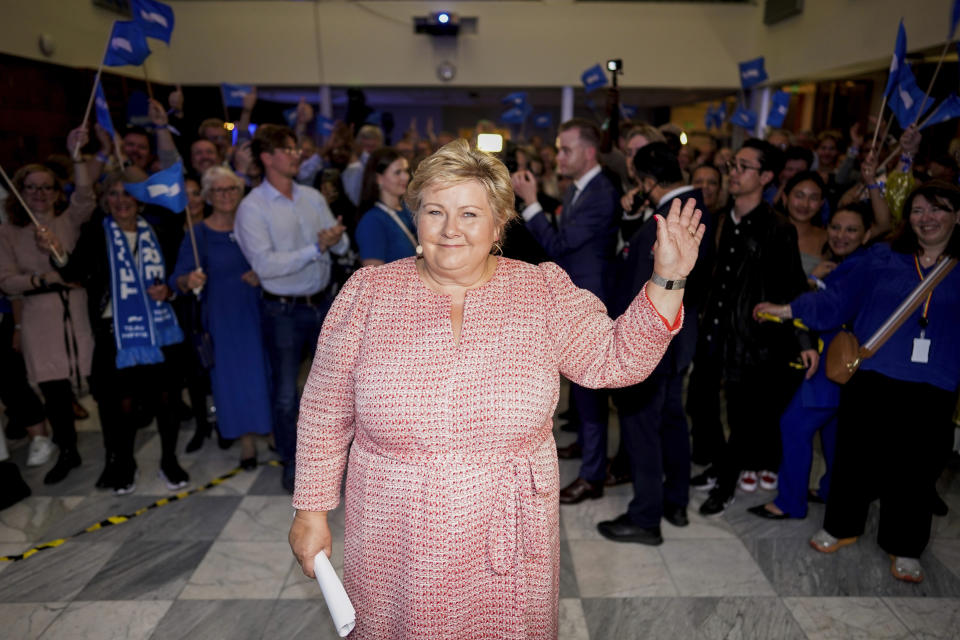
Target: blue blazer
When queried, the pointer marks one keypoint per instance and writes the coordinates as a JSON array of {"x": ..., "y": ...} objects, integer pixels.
[{"x": 584, "y": 241}]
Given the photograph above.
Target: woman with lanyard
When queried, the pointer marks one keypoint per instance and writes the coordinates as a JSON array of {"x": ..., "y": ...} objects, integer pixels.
[
  {"x": 385, "y": 231},
  {"x": 54, "y": 333},
  {"x": 120, "y": 261},
  {"x": 894, "y": 430}
]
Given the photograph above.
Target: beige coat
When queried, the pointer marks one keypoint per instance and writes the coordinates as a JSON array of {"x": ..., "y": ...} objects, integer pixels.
[{"x": 45, "y": 334}]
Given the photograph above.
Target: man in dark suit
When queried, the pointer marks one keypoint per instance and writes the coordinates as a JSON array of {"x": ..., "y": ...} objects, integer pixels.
[
  {"x": 583, "y": 243},
  {"x": 653, "y": 425}
]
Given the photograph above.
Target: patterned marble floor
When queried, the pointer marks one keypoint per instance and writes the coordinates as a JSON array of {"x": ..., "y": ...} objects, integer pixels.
[{"x": 217, "y": 565}]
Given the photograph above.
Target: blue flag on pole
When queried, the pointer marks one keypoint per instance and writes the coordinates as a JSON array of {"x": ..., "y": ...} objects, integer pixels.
[
  {"x": 103, "y": 111},
  {"x": 516, "y": 99},
  {"x": 708, "y": 118},
  {"x": 290, "y": 115},
  {"x": 897, "y": 61},
  {"x": 543, "y": 120},
  {"x": 627, "y": 111},
  {"x": 948, "y": 110},
  {"x": 324, "y": 125},
  {"x": 164, "y": 188},
  {"x": 743, "y": 117},
  {"x": 780, "y": 104},
  {"x": 155, "y": 18},
  {"x": 127, "y": 45},
  {"x": 954, "y": 18},
  {"x": 516, "y": 115},
  {"x": 233, "y": 94},
  {"x": 752, "y": 73},
  {"x": 906, "y": 98},
  {"x": 593, "y": 78}
]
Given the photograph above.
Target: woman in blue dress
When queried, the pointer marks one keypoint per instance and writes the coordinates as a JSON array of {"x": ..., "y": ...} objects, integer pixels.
[
  {"x": 231, "y": 313},
  {"x": 385, "y": 232}
]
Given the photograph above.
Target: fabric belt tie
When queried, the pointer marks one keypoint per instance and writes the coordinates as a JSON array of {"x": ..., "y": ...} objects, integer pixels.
[{"x": 518, "y": 514}]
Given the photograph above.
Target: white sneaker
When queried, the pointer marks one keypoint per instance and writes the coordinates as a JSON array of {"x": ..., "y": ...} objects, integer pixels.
[
  {"x": 748, "y": 481},
  {"x": 768, "y": 480},
  {"x": 41, "y": 448}
]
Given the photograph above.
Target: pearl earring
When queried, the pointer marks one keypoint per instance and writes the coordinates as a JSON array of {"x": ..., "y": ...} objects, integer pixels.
[{"x": 419, "y": 251}]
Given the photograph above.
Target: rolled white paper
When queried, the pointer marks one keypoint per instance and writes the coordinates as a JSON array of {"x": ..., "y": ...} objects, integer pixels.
[{"x": 341, "y": 610}]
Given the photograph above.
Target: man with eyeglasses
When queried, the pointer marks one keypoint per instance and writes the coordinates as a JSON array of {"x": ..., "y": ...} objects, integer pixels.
[
  {"x": 757, "y": 258},
  {"x": 287, "y": 233}
]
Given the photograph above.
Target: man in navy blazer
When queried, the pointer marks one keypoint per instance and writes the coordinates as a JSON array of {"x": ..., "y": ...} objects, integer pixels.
[
  {"x": 583, "y": 243},
  {"x": 653, "y": 424}
]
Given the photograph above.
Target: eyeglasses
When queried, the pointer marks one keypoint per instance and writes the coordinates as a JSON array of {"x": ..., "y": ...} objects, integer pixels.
[
  {"x": 222, "y": 191},
  {"x": 33, "y": 188},
  {"x": 290, "y": 151},
  {"x": 739, "y": 166}
]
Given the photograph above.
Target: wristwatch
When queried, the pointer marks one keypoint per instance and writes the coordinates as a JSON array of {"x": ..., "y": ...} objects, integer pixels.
[{"x": 660, "y": 281}]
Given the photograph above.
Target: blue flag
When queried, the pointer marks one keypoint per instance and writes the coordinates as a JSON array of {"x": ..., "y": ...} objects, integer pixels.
[
  {"x": 715, "y": 116},
  {"x": 948, "y": 110},
  {"x": 164, "y": 188},
  {"x": 290, "y": 115},
  {"x": 594, "y": 78},
  {"x": 516, "y": 115},
  {"x": 954, "y": 18},
  {"x": 906, "y": 98},
  {"x": 324, "y": 125},
  {"x": 743, "y": 117},
  {"x": 708, "y": 118},
  {"x": 103, "y": 112},
  {"x": 627, "y": 111},
  {"x": 778, "y": 109},
  {"x": 897, "y": 62},
  {"x": 127, "y": 45},
  {"x": 543, "y": 120},
  {"x": 233, "y": 94},
  {"x": 155, "y": 18},
  {"x": 516, "y": 99},
  {"x": 752, "y": 73}
]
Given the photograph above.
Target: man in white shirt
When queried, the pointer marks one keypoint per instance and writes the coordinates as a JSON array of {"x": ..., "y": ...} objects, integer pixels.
[{"x": 287, "y": 233}]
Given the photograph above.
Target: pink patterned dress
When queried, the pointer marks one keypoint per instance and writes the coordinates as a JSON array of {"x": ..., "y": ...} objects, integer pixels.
[{"x": 452, "y": 516}]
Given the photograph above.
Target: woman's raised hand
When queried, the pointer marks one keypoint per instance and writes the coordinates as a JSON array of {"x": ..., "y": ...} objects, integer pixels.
[{"x": 678, "y": 240}]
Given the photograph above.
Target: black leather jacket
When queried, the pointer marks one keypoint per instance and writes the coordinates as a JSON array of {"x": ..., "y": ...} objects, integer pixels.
[{"x": 765, "y": 268}]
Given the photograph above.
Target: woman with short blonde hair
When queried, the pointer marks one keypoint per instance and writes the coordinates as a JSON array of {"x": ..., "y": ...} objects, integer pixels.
[{"x": 440, "y": 375}]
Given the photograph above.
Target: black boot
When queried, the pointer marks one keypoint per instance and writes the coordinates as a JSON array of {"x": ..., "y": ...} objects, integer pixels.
[
  {"x": 107, "y": 479},
  {"x": 69, "y": 459},
  {"x": 201, "y": 433}
]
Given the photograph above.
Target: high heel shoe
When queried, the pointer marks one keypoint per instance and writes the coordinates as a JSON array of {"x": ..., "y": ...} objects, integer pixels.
[{"x": 249, "y": 464}]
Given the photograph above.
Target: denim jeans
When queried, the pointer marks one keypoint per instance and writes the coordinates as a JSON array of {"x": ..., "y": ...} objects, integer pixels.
[{"x": 288, "y": 329}]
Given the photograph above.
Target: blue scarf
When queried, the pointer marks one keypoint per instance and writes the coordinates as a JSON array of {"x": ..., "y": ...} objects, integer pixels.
[{"x": 140, "y": 325}]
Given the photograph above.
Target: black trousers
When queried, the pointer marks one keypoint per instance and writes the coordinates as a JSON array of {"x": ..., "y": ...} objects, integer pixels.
[
  {"x": 23, "y": 407},
  {"x": 654, "y": 433},
  {"x": 892, "y": 439},
  {"x": 703, "y": 406},
  {"x": 58, "y": 405},
  {"x": 755, "y": 403},
  {"x": 119, "y": 392}
]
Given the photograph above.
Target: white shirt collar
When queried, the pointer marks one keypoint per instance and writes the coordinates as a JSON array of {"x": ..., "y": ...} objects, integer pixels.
[
  {"x": 669, "y": 195},
  {"x": 585, "y": 179},
  {"x": 273, "y": 193}
]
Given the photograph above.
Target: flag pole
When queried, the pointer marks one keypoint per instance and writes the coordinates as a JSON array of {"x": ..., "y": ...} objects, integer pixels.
[
  {"x": 926, "y": 96},
  {"x": 32, "y": 217},
  {"x": 876, "y": 129},
  {"x": 93, "y": 92},
  {"x": 193, "y": 239},
  {"x": 147, "y": 78},
  {"x": 116, "y": 149}
]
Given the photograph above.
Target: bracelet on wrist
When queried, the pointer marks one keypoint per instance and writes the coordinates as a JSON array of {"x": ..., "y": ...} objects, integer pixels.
[
  {"x": 660, "y": 281},
  {"x": 101, "y": 157},
  {"x": 875, "y": 185},
  {"x": 158, "y": 127}
]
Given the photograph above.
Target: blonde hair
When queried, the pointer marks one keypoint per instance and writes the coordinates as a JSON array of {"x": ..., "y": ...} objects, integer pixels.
[
  {"x": 211, "y": 175},
  {"x": 456, "y": 163}
]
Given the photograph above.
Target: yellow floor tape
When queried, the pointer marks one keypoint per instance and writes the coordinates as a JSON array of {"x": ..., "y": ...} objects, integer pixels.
[{"x": 120, "y": 519}]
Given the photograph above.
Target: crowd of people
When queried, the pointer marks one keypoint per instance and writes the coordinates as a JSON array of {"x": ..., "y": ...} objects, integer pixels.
[{"x": 803, "y": 235}]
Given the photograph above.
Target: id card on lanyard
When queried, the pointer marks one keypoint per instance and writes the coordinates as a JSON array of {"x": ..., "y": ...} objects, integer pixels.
[{"x": 921, "y": 345}]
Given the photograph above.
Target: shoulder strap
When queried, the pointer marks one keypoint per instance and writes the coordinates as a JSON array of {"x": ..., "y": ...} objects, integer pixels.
[
  {"x": 906, "y": 308},
  {"x": 393, "y": 216}
]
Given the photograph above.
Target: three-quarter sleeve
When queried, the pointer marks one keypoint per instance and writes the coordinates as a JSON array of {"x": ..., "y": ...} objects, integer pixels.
[
  {"x": 326, "y": 424},
  {"x": 595, "y": 351}
]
